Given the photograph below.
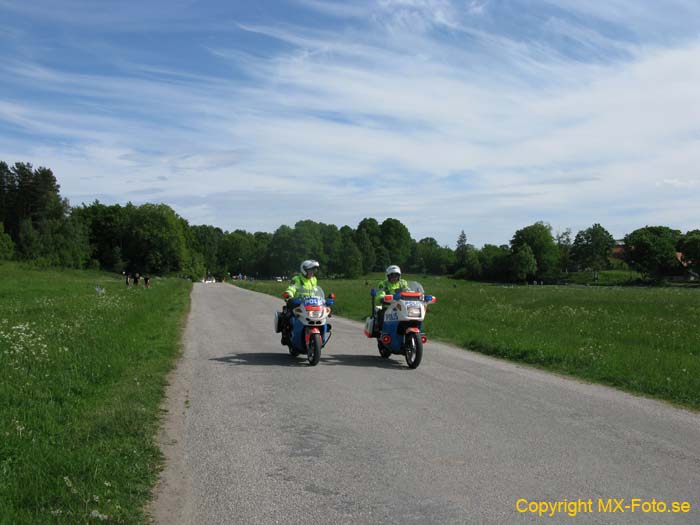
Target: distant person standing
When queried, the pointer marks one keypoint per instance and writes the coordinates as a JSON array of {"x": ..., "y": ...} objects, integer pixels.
[
  {"x": 126, "y": 277},
  {"x": 136, "y": 279},
  {"x": 147, "y": 281}
]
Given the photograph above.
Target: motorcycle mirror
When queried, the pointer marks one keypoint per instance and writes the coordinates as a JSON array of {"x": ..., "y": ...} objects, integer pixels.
[
  {"x": 373, "y": 292},
  {"x": 428, "y": 298},
  {"x": 296, "y": 301}
]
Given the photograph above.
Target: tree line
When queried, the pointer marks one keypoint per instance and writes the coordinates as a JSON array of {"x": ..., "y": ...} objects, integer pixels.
[{"x": 37, "y": 224}]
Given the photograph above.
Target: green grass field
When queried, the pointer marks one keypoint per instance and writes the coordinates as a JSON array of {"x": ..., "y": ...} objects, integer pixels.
[
  {"x": 83, "y": 377},
  {"x": 644, "y": 340}
]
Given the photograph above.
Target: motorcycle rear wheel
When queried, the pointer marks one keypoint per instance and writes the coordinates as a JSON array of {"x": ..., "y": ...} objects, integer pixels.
[
  {"x": 413, "y": 350},
  {"x": 314, "y": 351}
]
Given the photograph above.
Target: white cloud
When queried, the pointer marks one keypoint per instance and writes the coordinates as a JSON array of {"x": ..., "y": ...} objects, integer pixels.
[{"x": 379, "y": 120}]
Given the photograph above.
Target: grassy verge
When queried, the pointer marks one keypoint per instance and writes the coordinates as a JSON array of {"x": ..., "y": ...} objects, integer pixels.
[
  {"x": 644, "y": 340},
  {"x": 83, "y": 376}
]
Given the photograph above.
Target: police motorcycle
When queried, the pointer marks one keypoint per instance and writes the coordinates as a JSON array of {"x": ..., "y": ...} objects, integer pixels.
[
  {"x": 308, "y": 330},
  {"x": 401, "y": 331}
]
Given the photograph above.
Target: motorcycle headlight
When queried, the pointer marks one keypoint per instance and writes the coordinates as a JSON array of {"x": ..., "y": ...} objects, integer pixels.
[
  {"x": 315, "y": 314},
  {"x": 413, "y": 311}
]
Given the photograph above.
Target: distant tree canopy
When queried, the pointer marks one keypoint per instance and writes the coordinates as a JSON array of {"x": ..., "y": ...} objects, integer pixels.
[
  {"x": 38, "y": 221},
  {"x": 592, "y": 247},
  {"x": 36, "y": 224},
  {"x": 538, "y": 237},
  {"x": 7, "y": 247},
  {"x": 652, "y": 251},
  {"x": 689, "y": 246}
]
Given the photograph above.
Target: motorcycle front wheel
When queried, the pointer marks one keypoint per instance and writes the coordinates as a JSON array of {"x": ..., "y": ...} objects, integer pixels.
[
  {"x": 383, "y": 350},
  {"x": 413, "y": 350},
  {"x": 314, "y": 352}
]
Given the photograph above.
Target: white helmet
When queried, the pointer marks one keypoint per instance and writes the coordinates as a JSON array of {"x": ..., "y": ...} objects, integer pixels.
[
  {"x": 309, "y": 264},
  {"x": 393, "y": 269}
]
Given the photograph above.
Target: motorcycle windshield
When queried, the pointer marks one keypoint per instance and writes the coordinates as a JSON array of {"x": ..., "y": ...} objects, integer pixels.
[
  {"x": 415, "y": 286},
  {"x": 317, "y": 292}
]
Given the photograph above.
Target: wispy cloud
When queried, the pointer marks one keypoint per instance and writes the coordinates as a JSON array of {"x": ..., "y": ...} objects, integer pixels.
[{"x": 445, "y": 115}]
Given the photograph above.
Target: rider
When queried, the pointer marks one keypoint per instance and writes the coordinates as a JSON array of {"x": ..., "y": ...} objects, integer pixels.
[
  {"x": 390, "y": 285},
  {"x": 301, "y": 285}
]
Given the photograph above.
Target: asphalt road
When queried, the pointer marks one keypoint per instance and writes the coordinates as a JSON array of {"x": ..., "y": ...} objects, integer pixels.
[{"x": 256, "y": 436}]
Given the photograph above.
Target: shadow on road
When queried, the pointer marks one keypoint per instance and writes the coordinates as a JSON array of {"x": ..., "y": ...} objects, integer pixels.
[
  {"x": 327, "y": 359},
  {"x": 362, "y": 360},
  {"x": 261, "y": 359}
]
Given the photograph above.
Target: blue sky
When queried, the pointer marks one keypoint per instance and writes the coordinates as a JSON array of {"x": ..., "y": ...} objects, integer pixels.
[{"x": 478, "y": 115}]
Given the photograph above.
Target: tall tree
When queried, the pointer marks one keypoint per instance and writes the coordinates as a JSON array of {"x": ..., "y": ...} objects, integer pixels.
[
  {"x": 6, "y": 187},
  {"x": 262, "y": 262},
  {"x": 7, "y": 247},
  {"x": 592, "y": 247},
  {"x": 397, "y": 241},
  {"x": 461, "y": 249},
  {"x": 107, "y": 232},
  {"x": 237, "y": 254},
  {"x": 364, "y": 244},
  {"x": 563, "y": 240},
  {"x": 539, "y": 238},
  {"x": 350, "y": 254},
  {"x": 332, "y": 255},
  {"x": 689, "y": 246},
  {"x": 523, "y": 263},
  {"x": 652, "y": 251},
  {"x": 207, "y": 241},
  {"x": 495, "y": 262},
  {"x": 282, "y": 252},
  {"x": 370, "y": 227},
  {"x": 157, "y": 240}
]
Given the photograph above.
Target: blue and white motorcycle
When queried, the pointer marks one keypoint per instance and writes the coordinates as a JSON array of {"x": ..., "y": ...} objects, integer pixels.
[
  {"x": 401, "y": 328},
  {"x": 308, "y": 330}
]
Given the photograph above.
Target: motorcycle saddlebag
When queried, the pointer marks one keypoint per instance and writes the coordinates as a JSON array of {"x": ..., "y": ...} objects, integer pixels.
[{"x": 369, "y": 326}]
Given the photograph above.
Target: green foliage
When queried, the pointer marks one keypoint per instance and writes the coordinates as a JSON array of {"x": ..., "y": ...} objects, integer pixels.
[
  {"x": 495, "y": 263},
  {"x": 652, "y": 251},
  {"x": 461, "y": 250},
  {"x": 539, "y": 238},
  {"x": 472, "y": 265},
  {"x": 350, "y": 254},
  {"x": 7, "y": 247},
  {"x": 331, "y": 254},
  {"x": 207, "y": 242},
  {"x": 369, "y": 227},
  {"x": 563, "y": 240},
  {"x": 83, "y": 378},
  {"x": 64, "y": 242},
  {"x": 430, "y": 257},
  {"x": 364, "y": 244},
  {"x": 689, "y": 246},
  {"x": 523, "y": 264},
  {"x": 282, "y": 252},
  {"x": 592, "y": 248},
  {"x": 397, "y": 241},
  {"x": 28, "y": 194},
  {"x": 28, "y": 242}
]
